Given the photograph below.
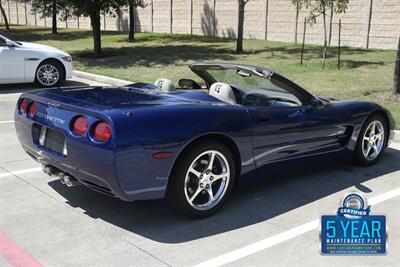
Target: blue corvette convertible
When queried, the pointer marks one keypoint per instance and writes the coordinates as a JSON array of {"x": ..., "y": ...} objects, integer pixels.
[{"x": 191, "y": 143}]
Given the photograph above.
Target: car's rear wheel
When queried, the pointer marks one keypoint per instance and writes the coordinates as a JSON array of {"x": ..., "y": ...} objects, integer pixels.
[
  {"x": 49, "y": 74},
  {"x": 203, "y": 179},
  {"x": 371, "y": 141}
]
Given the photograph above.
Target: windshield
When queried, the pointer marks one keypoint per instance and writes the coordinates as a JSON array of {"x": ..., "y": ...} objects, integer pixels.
[
  {"x": 244, "y": 80},
  {"x": 4, "y": 39},
  {"x": 253, "y": 86}
]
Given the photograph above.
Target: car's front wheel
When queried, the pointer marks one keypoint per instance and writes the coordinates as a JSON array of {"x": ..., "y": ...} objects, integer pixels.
[
  {"x": 203, "y": 179},
  {"x": 371, "y": 141},
  {"x": 49, "y": 74}
]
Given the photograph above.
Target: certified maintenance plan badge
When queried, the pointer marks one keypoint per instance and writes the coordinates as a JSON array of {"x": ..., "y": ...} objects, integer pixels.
[{"x": 353, "y": 230}]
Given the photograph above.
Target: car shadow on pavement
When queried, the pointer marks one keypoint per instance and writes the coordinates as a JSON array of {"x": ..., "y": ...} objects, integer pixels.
[
  {"x": 26, "y": 87},
  {"x": 257, "y": 199}
]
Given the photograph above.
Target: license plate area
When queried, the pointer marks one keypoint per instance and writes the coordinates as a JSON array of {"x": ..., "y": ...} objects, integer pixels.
[{"x": 53, "y": 140}]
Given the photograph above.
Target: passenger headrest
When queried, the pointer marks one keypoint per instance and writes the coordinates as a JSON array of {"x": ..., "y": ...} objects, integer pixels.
[
  {"x": 165, "y": 85},
  {"x": 223, "y": 92}
]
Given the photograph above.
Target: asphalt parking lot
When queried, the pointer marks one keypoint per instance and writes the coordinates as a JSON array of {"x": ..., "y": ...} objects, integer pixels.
[{"x": 268, "y": 222}]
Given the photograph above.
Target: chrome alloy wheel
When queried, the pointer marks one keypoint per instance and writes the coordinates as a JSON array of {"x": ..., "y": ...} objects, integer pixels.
[
  {"x": 207, "y": 180},
  {"x": 48, "y": 75},
  {"x": 373, "y": 140}
]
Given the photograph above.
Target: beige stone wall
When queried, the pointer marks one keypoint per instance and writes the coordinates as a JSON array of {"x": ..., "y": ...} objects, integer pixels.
[{"x": 273, "y": 20}]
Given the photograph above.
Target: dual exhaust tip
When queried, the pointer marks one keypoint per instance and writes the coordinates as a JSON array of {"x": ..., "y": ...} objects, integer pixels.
[{"x": 64, "y": 178}]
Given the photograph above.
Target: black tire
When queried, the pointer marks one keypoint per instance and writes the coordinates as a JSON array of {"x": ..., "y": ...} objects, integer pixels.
[
  {"x": 359, "y": 157},
  {"x": 56, "y": 65},
  {"x": 177, "y": 188}
]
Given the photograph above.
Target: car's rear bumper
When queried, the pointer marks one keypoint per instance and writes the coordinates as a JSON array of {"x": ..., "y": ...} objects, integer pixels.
[
  {"x": 129, "y": 175},
  {"x": 85, "y": 177}
]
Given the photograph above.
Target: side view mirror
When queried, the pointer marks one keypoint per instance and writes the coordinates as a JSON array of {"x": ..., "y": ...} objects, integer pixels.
[{"x": 316, "y": 103}]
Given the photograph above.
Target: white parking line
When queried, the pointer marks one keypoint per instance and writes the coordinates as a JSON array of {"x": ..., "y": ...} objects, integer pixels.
[
  {"x": 282, "y": 237},
  {"x": 4, "y": 122},
  {"x": 25, "y": 171}
]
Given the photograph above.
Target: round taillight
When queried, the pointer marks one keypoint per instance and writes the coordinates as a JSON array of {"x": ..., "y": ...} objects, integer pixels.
[
  {"x": 22, "y": 106},
  {"x": 80, "y": 125},
  {"x": 102, "y": 132},
  {"x": 32, "y": 110}
]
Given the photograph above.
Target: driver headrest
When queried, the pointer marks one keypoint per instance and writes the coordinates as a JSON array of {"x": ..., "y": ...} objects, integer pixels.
[
  {"x": 165, "y": 85},
  {"x": 223, "y": 92}
]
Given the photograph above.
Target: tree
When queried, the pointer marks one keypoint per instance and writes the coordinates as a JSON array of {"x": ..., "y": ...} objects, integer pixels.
[
  {"x": 396, "y": 85},
  {"x": 132, "y": 5},
  {"x": 49, "y": 8},
  {"x": 321, "y": 7},
  {"x": 54, "y": 16},
  {"x": 239, "y": 41},
  {"x": 3, "y": 13},
  {"x": 93, "y": 9},
  {"x": 330, "y": 26}
]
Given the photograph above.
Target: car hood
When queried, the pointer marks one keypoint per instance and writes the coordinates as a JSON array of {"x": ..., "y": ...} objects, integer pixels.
[
  {"x": 34, "y": 46},
  {"x": 124, "y": 97}
]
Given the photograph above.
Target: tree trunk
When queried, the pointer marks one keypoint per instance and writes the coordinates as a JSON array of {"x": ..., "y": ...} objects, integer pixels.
[
  {"x": 3, "y": 13},
  {"x": 95, "y": 21},
  {"x": 330, "y": 26},
  {"x": 239, "y": 42},
  {"x": 54, "y": 24},
  {"x": 131, "y": 37},
  {"x": 296, "y": 22},
  {"x": 325, "y": 39},
  {"x": 396, "y": 86}
]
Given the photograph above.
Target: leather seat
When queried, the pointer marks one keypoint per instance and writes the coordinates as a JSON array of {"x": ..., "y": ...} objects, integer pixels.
[{"x": 223, "y": 92}]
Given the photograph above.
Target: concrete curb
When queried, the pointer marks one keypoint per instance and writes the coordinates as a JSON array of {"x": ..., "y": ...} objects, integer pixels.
[
  {"x": 396, "y": 136},
  {"x": 100, "y": 78}
]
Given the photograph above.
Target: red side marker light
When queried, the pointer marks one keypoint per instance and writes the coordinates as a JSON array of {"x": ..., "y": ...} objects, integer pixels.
[{"x": 162, "y": 155}]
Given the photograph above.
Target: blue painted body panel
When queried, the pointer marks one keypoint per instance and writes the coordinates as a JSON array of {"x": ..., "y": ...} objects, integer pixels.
[{"x": 145, "y": 122}]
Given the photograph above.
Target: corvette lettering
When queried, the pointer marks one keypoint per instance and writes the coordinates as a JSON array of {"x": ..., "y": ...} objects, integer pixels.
[{"x": 51, "y": 118}]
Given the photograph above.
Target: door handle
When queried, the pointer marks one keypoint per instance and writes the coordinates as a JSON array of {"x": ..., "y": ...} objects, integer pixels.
[{"x": 264, "y": 117}]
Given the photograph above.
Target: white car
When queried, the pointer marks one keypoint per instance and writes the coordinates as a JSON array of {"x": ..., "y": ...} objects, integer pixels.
[{"x": 22, "y": 62}]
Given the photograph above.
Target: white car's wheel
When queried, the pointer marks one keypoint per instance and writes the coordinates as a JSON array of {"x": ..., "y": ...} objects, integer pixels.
[{"x": 49, "y": 74}]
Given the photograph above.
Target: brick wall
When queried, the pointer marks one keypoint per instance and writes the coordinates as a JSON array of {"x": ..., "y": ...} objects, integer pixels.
[{"x": 372, "y": 23}]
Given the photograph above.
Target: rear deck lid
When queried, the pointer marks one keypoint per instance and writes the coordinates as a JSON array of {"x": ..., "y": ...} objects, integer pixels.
[{"x": 114, "y": 98}]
